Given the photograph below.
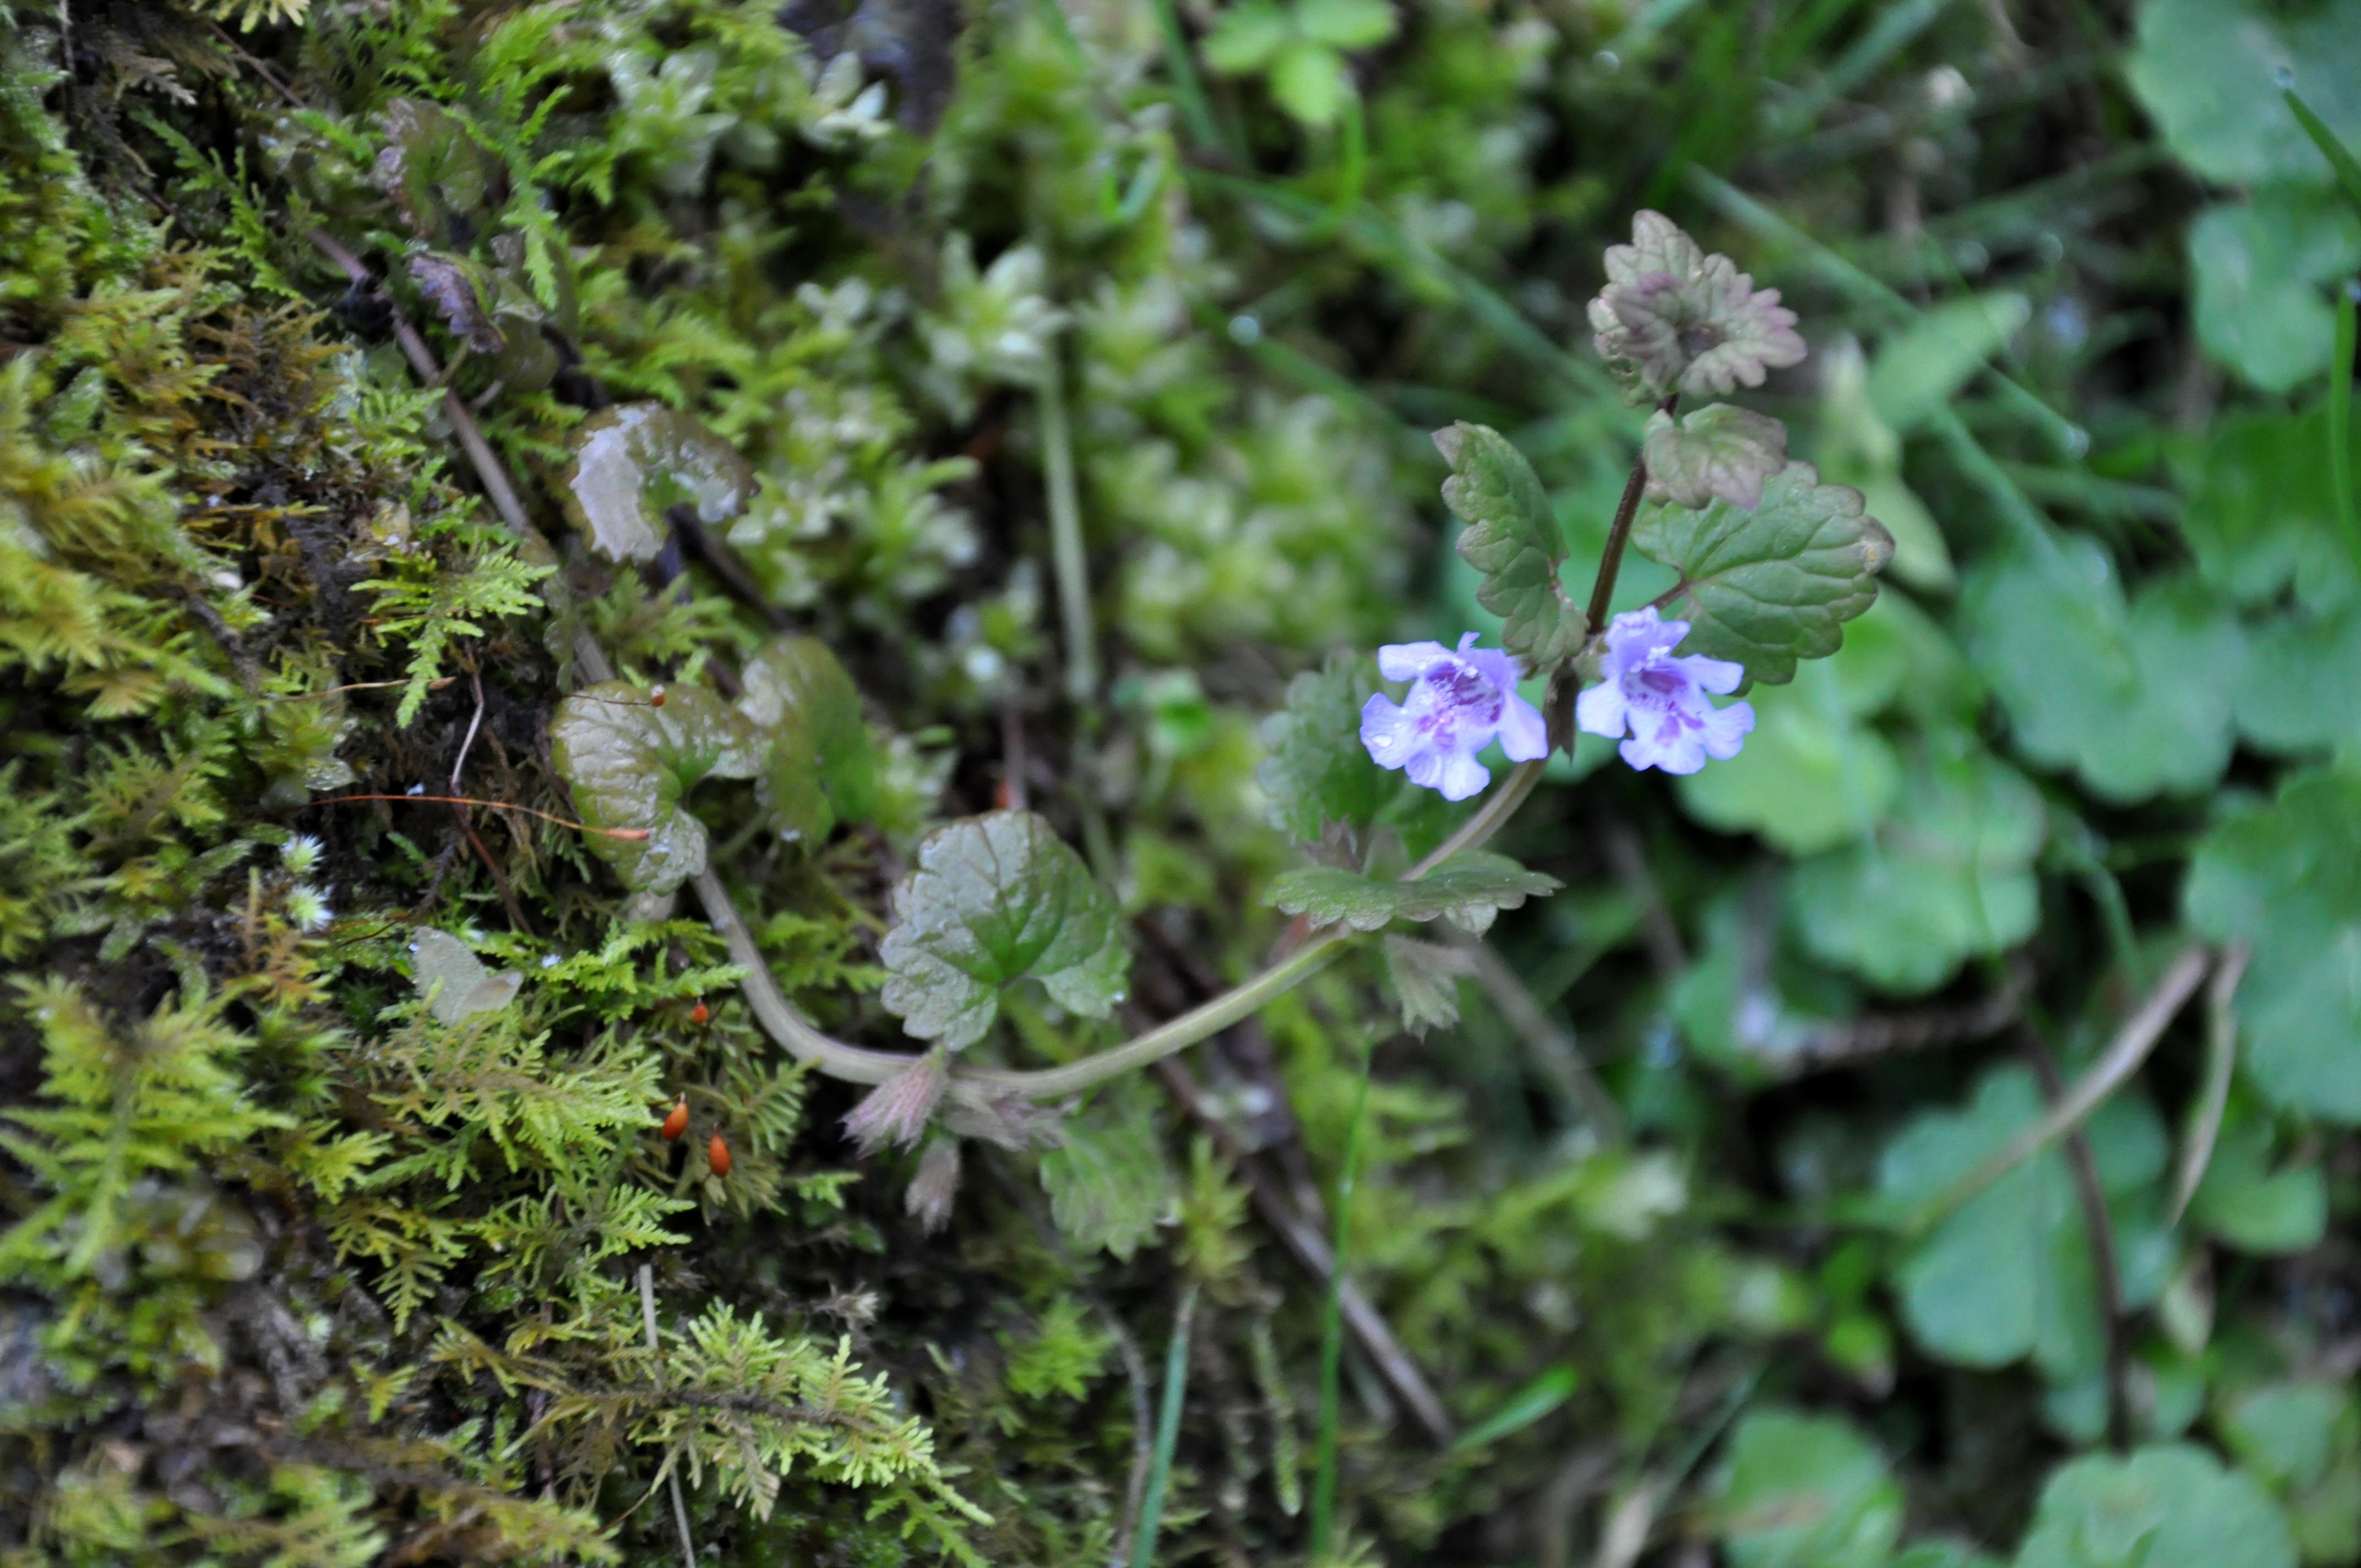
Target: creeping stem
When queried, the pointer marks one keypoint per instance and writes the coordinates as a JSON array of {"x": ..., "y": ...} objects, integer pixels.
[{"x": 858, "y": 1064}]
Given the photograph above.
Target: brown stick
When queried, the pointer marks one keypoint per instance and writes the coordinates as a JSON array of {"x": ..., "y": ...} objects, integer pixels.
[
  {"x": 1549, "y": 1042},
  {"x": 467, "y": 820},
  {"x": 2105, "y": 1256}
]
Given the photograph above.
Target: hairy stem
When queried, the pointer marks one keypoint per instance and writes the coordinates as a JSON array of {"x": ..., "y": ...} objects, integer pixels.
[
  {"x": 771, "y": 1010},
  {"x": 1619, "y": 535}
]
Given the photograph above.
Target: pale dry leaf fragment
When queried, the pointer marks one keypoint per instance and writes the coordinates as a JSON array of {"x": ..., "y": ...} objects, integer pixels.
[
  {"x": 633, "y": 462},
  {"x": 453, "y": 982}
]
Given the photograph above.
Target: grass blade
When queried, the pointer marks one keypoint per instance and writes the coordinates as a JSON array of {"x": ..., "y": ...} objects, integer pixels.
[
  {"x": 1332, "y": 1337},
  {"x": 2347, "y": 167},
  {"x": 2213, "y": 1094},
  {"x": 2340, "y": 423},
  {"x": 1168, "y": 1432}
]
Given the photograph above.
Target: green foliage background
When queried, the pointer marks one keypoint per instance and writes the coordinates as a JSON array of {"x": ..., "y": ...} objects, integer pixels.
[{"x": 309, "y": 1259}]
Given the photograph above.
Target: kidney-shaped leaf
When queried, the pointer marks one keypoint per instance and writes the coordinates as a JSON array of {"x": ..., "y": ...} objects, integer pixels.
[
  {"x": 1107, "y": 1179},
  {"x": 2167, "y": 1506},
  {"x": 2288, "y": 877},
  {"x": 627, "y": 762},
  {"x": 997, "y": 899},
  {"x": 1769, "y": 586},
  {"x": 820, "y": 769},
  {"x": 633, "y": 462},
  {"x": 1805, "y": 1492}
]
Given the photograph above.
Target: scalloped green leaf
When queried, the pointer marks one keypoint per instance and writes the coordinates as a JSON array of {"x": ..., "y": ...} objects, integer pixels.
[
  {"x": 634, "y": 461},
  {"x": 2008, "y": 1275},
  {"x": 2287, "y": 877},
  {"x": 1948, "y": 876},
  {"x": 1814, "y": 774},
  {"x": 2260, "y": 267},
  {"x": 1803, "y": 1491},
  {"x": 2134, "y": 697},
  {"x": 819, "y": 768},
  {"x": 437, "y": 174},
  {"x": 1107, "y": 1179},
  {"x": 1316, "y": 770},
  {"x": 2208, "y": 72},
  {"x": 627, "y": 763},
  {"x": 1424, "y": 977},
  {"x": 2166, "y": 1505},
  {"x": 1470, "y": 890},
  {"x": 1513, "y": 540},
  {"x": 1767, "y": 587},
  {"x": 1719, "y": 450},
  {"x": 994, "y": 900}
]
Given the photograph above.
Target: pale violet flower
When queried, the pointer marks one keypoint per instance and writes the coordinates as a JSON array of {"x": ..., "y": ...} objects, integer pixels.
[
  {"x": 1458, "y": 701},
  {"x": 1660, "y": 699}
]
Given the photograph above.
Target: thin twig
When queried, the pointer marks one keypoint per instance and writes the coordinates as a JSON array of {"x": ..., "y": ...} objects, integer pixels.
[
  {"x": 2106, "y": 1260},
  {"x": 2122, "y": 1057},
  {"x": 466, "y": 821},
  {"x": 628, "y": 834},
  {"x": 1143, "y": 1422},
  {"x": 1014, "y": 795},
  {"x": 1629, "y": 862},
  {"x": 1889, "y": 1033},
  {"x": 1549, "y": 1042},
  {"x": 2213, "y": 1094},
  {"x": 736, "y": 577},
  {"x": 655, "y": 1348}
]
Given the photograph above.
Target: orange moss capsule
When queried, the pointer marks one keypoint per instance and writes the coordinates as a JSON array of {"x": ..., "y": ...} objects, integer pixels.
[
  {"x": 699, "y": 1014},
  {"x": 655, "y": 697},
  {"x": 716, "y": 1155},
  {"x": 677, "y": 1123}
]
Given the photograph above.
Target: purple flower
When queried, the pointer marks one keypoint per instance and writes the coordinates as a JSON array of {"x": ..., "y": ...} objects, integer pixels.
[
  {"x": 1458, "y": 701},
  {"x": 1662, "y": 699}
]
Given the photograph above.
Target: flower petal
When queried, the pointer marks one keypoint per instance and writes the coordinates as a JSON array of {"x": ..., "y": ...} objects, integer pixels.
[
  {"x": 1665, "y": 742},
  {"x": 1726, "y": 730},
  {"x": 1408, "y": 660},
  {"x": 1463, "y": 776},
  {"x": 1524, "y": 736},
  {"x": 1711, "y": 674},
  {"x": 1388, "y": 731},
  {"x": 1599, "y": 710}
]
